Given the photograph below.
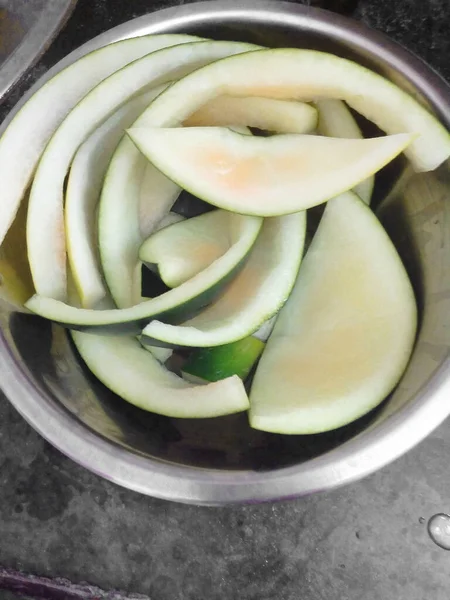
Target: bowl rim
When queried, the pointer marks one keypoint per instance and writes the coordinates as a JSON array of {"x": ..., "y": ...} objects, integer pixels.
[{"x": 354, "y": 459}]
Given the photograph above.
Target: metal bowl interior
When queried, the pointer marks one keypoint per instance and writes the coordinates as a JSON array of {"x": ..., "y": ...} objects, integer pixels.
[{"x": 224, "y": 460}]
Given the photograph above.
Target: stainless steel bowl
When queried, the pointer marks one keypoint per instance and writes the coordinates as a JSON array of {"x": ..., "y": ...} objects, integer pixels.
[
  {"x": 223, "y": 460},
  {"x": 27, "y": 27}
]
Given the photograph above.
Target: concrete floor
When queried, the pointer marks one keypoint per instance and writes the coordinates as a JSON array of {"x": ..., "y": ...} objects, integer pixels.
[{"x": 367, "y": 541}]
